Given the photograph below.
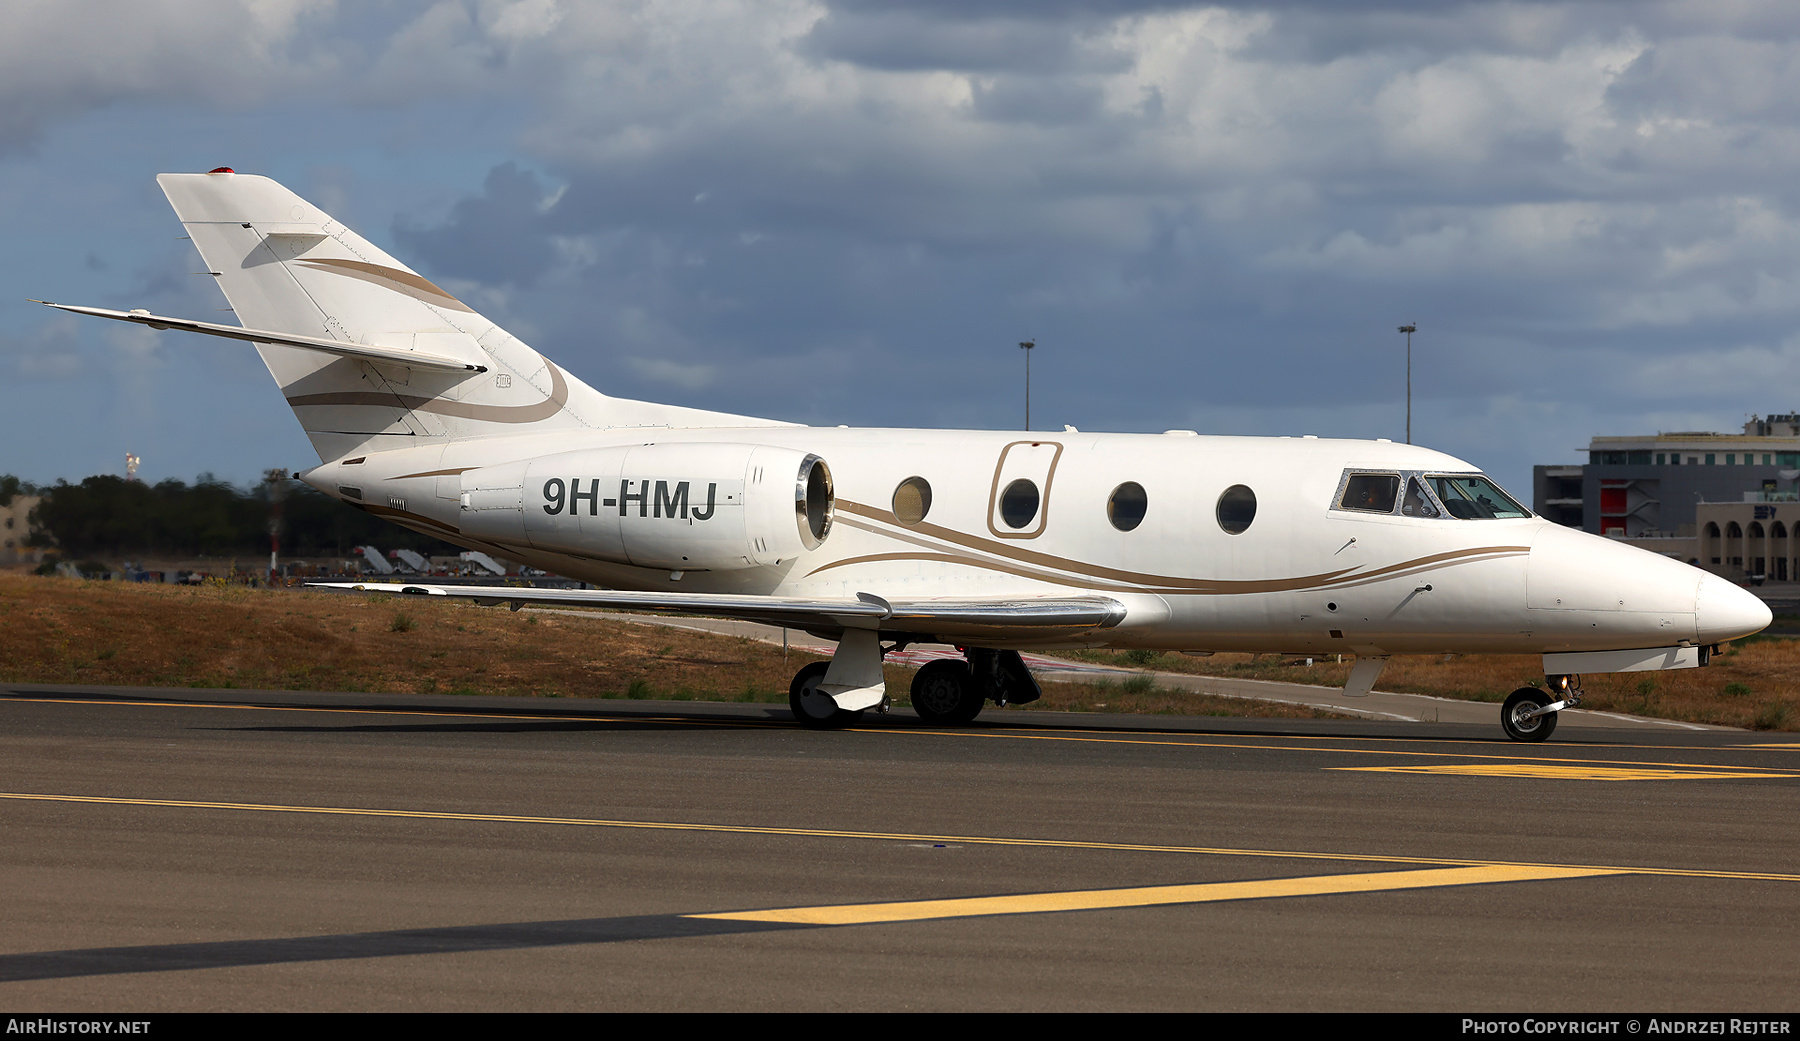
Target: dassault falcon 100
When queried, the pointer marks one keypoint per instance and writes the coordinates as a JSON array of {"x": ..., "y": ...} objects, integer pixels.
[{"x": 427, "y": 414}]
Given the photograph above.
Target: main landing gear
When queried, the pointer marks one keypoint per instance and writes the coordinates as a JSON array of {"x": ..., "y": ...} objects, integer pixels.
[
  {"x": 1529, "y": 713},
  {"x": 813, "y": 707},
  {"x": 946, "y": 692},
  {"x": 950, "y": 693}
]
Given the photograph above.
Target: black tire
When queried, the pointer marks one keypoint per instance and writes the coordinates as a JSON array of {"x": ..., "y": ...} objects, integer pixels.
[
  {"x": 807, "y": 704},
  {"x": 944, "y": 693},
  {"x": 1521, "y": 701}
]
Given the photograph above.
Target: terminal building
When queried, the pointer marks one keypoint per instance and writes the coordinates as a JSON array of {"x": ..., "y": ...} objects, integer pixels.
[{"x": 1725, "y": 502}]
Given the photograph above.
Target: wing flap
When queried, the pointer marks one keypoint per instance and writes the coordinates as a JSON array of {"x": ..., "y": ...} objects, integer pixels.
[{"x": 950, "y": 619}]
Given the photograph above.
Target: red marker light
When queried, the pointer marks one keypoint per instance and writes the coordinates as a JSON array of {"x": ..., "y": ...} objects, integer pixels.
[{"x": 222, "y": 169}]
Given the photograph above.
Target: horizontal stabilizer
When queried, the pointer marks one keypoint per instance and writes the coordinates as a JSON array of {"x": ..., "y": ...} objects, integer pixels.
[
  {"x": 342, "y": 348},
  {"x": 1015, "y": 619}
]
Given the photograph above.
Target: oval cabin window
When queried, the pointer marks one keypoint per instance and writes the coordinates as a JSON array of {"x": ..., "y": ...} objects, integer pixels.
[
  {"x": 912, "y": 500},
  {"x": 1237, "y": 508},
  {"x": 1126, "y": 507},
  {"x": 1019, "y": 503}
]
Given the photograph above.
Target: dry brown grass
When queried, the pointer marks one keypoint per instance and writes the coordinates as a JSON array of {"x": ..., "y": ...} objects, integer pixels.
[
  {"x": 57, "y": 630},
  {"x": 1140, "y": 696},
  {"x": 1755, "y": 683}
]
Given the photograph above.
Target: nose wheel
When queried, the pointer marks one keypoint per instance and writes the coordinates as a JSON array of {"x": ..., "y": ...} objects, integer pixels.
[
  {"x": 1526, "y": 715},
  {"x": 1530, "y": 714}
]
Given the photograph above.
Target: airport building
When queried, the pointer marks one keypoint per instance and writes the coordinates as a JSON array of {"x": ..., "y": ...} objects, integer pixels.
[{"x": 1726, "y": 502}]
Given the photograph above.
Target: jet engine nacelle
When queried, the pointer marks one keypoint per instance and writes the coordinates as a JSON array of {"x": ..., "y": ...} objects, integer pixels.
[{"x": 679, "y": 507}]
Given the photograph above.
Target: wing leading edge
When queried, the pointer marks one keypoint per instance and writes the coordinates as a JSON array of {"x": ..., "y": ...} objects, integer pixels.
[{"x": 1022, "y": 619}]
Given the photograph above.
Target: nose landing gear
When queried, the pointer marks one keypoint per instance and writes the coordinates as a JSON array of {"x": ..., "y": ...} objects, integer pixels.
[{"x": 1529, "y": 713}]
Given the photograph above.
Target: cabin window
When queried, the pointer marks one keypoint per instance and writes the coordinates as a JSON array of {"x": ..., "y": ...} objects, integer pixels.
[
  {"x": 1370, "y": 493},
  {"x": 912, "y": 500},
  {"x": 1019, "y": 503},
  {"x": 1237, "y": 508},
  {"x": 1126, "y": 507},
  {"x": 1474, "y": 497}
]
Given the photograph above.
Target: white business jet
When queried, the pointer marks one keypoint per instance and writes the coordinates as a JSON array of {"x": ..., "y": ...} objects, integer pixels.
[{"x": 427, "y": 414}]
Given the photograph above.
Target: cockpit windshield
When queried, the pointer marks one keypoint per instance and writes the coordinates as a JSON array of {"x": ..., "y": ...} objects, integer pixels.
[
  {"x": 1418, "y": 503},
  {"x": 1427, "y": 495},
  {"x": 1474, "y": 497}
]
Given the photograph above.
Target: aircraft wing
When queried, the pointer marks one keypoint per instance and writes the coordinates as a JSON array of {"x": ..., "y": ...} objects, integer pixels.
[{"x": 1016, "y": 619}]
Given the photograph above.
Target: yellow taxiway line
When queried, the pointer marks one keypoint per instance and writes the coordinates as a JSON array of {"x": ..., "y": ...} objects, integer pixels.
[
  {"x": 1573, "y": 771},
  {"x": 890, "y": 836},
  {"x": 1152, "y": 896}
]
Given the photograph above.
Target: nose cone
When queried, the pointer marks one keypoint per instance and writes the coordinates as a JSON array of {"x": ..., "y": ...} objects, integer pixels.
[{"x": 1724, "y": 611}]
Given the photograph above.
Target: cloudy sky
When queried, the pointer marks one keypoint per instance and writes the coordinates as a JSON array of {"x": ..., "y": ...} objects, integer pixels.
[{"x": 851, "y": 211}]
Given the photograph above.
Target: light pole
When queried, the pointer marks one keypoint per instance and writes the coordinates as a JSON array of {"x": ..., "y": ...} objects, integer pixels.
[
  {"x": 1409, "y": 328},
  {"x": 1026, "y": 346}
]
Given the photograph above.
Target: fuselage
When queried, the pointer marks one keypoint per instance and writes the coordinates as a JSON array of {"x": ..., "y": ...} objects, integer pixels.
[{"x": 1160, "y": 523}]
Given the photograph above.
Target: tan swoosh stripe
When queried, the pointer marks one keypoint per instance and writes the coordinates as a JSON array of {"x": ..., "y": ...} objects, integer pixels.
[
  {"x": 406, "y": 282},
  {"x": 453, "y": 471},
  {"x": 404, "y": 517},
  {"x": 550, "y": 406},
  {"x": 1016, "y": 570},
  {"x": 1076, "y": 570},
  {"x": 1423, "y": 564}
]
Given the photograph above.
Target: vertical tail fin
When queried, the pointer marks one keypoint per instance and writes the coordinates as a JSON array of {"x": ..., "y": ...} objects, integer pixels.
[{"x": 287, "y": 266}]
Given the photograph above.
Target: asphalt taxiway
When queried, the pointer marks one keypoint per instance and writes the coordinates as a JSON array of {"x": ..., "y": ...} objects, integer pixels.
[{"x": 182, "y": 849}]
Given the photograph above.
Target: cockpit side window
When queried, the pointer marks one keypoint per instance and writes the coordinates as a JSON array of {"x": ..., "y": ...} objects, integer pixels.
[
  {"x": 1418, "y": 503},
  {"x": 1474, "y": 497},
  {"x": 1370, "y": 493}
]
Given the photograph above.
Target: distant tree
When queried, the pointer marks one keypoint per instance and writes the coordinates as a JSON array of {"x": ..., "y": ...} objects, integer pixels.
[
  {"x": 107, "y": 516},
  {"x": 11, "y": 488}
]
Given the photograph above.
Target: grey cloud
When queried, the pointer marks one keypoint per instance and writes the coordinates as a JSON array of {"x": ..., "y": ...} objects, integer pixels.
[
  {"x": 1036, "y": 100},
  {"x": 777, "y": 209},
  {"x": 1714, "y": 78},
  {"x": 57, "y": 61},
  {"x": 909, "y": 40},
  {"x": 1062, "y": 10},
  {"x": 497, "y": 237}
]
